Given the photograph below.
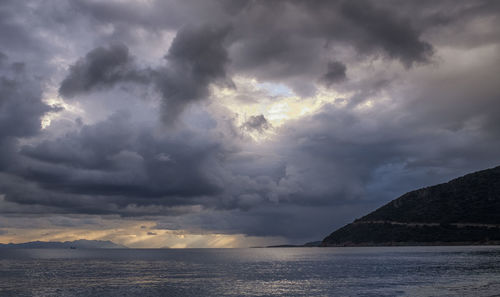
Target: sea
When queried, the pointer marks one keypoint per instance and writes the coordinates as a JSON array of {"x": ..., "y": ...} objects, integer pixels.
[{"x": 343, "y": 271}]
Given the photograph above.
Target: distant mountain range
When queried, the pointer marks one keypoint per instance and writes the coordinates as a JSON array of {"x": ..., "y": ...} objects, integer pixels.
[
  {"x": 465, "y": 210},
  {"x": 77, "y": 244}
]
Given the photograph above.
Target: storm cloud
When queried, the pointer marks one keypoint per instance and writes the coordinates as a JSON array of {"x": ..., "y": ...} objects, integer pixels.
[
  {"x": 257, "y": 123},
  {"x": 261, "y": 118},
  {"x": 335, "y": 73},
  {"x": 101, "y": 68},
  {"x": 21, "y": 108},
  {"x": 196, "y": 58},
  {"x": 113, "y": 162}
]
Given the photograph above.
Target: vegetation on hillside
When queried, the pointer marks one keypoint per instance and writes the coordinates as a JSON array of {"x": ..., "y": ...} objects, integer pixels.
[{"x": 466, "y": 209}]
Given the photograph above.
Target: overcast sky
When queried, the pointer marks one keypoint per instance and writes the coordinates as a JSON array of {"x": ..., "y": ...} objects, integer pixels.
[{"x": 236, "y": 123}]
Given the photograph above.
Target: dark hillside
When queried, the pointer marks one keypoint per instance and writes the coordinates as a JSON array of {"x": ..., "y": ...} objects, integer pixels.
[{"x": 464, "y": 210}]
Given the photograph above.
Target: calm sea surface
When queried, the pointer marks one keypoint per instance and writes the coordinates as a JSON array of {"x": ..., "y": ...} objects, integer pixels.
[{"x": 381, "y": 271}]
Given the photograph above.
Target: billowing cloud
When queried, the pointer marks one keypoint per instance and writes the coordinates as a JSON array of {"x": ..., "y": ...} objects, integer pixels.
[
  {"x": 196, "y": 58},
  {"x": 307, "y": 37},
  {"x": 21, "y": 107},
  {"x": 381, "y": 28},
  {"x": 112, "y": 165},
  {"x": 101, "y": 68},
  {"x": 280, "y": 119},
  {"x": 256, "y": 123},
  {"x": 335, "y": 73}
]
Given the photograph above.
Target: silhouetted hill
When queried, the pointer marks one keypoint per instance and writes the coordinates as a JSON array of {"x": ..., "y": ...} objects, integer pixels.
[
  {"x": 80, "y": 244},
  {"x": 465, "y": 210}
]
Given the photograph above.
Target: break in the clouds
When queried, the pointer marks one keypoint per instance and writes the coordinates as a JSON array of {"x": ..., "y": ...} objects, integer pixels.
[{"x": 255, "y": 121}]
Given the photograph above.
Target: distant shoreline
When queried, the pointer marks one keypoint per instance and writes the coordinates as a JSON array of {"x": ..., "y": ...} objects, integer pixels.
[{"x": 392, "y": 244}]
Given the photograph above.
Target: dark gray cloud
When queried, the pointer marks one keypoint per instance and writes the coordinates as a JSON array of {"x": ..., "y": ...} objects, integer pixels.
[
  {"x": 14, "y": 35},
  {"x": 158, "y": 15},
  {"x": 335, "y": 73},
  {"x": 256, "y": 123},
  {"x": 112, "y": 163},
  {"x": 420, "y": 107},
  {"x": 20, "y": 101},
  {"x": 101, "y": 68},
  {"x": 309, "y": 34},
  {"x": 383, "y": 28},
  {"x": 21, "y": 107},
  {"x": 298, "y": 224},
  {"x": 196, "y": 58},
  {"x": 292, "y": 50}
]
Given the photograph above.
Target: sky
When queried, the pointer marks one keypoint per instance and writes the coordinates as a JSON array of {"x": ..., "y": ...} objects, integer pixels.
[{"x": 239, "y": 123}]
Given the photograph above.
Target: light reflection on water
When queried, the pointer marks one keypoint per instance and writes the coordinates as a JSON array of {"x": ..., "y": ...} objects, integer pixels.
[{"x": 389, "y": 271}]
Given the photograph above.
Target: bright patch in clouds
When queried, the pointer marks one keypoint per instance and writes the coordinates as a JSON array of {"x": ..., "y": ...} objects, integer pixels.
[{"x": 276, "y": 102}]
